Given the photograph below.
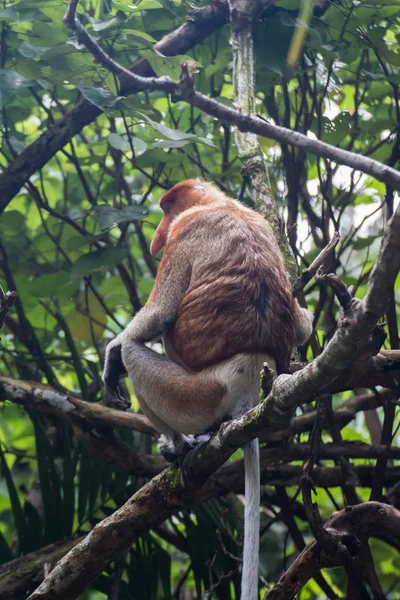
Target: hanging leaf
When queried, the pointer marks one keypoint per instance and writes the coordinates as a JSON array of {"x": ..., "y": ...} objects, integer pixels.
[
  {"x": 101, "y": 25},
  {"x": 18, "y": 514},
  {"x": 77, "y": 241},
  {"x": 28, "y": 51},
  {"x": 175, "y": 134},
  {"x": 120, "y": 143},
  {"x": 10, "y": 84},
  {"x": 9, "y": 14},
  {"x": 165, "y": 65},
  {"x": 147, "y": 5},
  {"x": 49, "y": 484},
  {"x": 109, "y": 216},
  {"x": 98, "y": 96},
  {"x": 99, "y": 260}
]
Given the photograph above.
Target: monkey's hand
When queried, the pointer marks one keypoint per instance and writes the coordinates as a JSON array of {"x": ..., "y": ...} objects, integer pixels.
[{"x": 113, "y": 369}]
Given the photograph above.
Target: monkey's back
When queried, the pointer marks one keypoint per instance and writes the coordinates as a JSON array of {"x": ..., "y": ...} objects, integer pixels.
[{"x": 239, "y": 298}]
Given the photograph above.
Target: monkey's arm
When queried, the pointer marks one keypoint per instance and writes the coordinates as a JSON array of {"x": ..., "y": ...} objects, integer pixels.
[
  {"x": 304, "y": 324},
  {"x": 153, "y": 320}
]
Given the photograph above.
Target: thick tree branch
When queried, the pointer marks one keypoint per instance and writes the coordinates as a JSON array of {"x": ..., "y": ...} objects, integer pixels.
[
  {"x": 371, "y": 519},
  {"x": 45, "y": 399},
  {"x": 386, "y": 268},
  {"x": 91, "y": 423},
  {"x": 175, "y": 487},
  {"x": 22, "y": 574},
  {"x": 243, "y": 13}
]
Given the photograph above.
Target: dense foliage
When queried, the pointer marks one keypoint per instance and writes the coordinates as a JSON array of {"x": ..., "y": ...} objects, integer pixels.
[{"x": 74, "y": 245}]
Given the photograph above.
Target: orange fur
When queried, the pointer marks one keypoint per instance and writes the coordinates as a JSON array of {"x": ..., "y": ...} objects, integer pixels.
[{"x": 239, "y": 298}]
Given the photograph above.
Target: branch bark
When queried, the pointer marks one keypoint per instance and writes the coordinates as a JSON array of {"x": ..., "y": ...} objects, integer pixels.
[
  {"x": 371, "y": 519},
  {"x": 91, "y": 423},
  {"x": 21, "y": 574},
  {"x": 175, "y": 487},
  {"x": 254, "y": 168}
]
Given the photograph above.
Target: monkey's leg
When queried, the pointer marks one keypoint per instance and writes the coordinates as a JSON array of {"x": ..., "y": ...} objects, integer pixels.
[
  {"x": 187, "y": 402},
  {"x": 177, "y": 401},
  {"x": 171, "y": 443}
]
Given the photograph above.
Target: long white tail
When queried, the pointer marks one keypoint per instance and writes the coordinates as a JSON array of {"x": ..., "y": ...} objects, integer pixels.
[{"x": 251, "y": 521}]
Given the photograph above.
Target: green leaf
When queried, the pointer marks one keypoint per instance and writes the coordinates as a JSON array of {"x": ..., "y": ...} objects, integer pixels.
[
  {"x": 171, "y": 134},
  {"x": 172, "y": 143},
  {"x": 99, "y": 260},
  {"x": 49, "y": 484},
  {"x": 10, "y": 84},
  {"x": 9, "y": 14},
  {"x": 28, "y": 51},
  {"x": 165, "y": 65},
  {"x": 51, "y": 35},
  {"x": 98, "y": 96},
  {"x": 18, "y": 514},
  {"x": 120, "y": 143},
  {"x": 163, "y": 562},
  {"x": 108, "y": 216},
  {"x": 139, "y": 36},
  {"x": 175, "y": 135},
  {"x": 49, "y": 284},
  {"x": 77, "y": 241},
  {"x": 12, "y": 220},
  {"x": 363, "y": 242},
  {"x": 147, "y": 5},
  {"x": 68, "y": 483},
  {"x": 5, "y": 552},
  {"x": 101, "y": 25},
  {"x": 35, "y": 524}
]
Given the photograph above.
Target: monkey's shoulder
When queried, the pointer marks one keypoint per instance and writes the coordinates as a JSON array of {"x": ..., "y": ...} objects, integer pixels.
[{"x": 222, "y": 220}]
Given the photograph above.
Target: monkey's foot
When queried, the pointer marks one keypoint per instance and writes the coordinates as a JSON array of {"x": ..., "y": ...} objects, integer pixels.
[
  {"x": 173, "y": 449},
  {"x": 202, "y": 438},
  {"x": 115, "y": 399}
]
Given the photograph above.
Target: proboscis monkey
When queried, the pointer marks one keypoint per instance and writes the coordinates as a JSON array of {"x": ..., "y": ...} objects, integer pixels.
[{"x": 223, "y": 305}]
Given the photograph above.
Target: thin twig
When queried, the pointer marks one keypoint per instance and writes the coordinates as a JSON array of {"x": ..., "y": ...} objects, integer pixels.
[{"x": 311, "y": 271}]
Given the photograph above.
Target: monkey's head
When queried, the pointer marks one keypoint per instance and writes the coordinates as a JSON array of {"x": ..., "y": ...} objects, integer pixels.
[{"x": 181, "y": 197}]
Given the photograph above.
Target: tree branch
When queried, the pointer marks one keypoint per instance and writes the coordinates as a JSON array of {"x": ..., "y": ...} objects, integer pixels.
[
  {"x": 7, "y": 300},
  {"x": 175, "y": 487},
  {"x": 371, "y": 519},
  {"x": 91, "y": 423}
]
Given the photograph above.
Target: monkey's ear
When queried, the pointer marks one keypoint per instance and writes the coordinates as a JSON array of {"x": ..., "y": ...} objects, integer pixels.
[{"x": 199, "y": 188}]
